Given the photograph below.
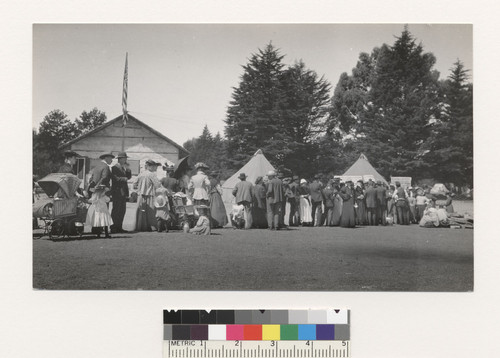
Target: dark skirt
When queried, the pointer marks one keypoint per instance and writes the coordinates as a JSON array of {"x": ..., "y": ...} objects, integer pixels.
[
  {"x": 348, "y": 218},
  {"x": 217, "y": 210},
  {"x": 361, "y": 212},
  {"x": 337, "y": 211},
  {"x": 146, "y": 216},
  {"x": 259, "y": 213}
]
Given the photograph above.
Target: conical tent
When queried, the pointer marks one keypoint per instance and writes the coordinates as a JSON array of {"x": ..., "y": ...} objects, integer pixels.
[
  {"x": 363, "y": 167},
  {"x": 257, "y": 166}
]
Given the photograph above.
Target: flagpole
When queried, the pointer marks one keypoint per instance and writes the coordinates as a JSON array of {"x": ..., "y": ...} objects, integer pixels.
[{"x": 124, "y": 101}]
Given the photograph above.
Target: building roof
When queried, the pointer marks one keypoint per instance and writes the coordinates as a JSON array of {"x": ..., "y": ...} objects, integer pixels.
[{"x": 182, "y": 150}]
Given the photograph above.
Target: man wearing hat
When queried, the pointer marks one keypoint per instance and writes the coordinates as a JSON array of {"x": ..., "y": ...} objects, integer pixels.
[
  {"x": 243, "y": 193},
  {"x": 69, "y": 162},
  {"x": 101, "y": 174},
  {"x": 381, "y": 203},
  {"x": 120, "y": 174},
  {"x": 316, "y": 189},
  {"x": 294, "y": 201},
  {"x": 275, "y": 197},
  {"x": 371, "y": 204}
]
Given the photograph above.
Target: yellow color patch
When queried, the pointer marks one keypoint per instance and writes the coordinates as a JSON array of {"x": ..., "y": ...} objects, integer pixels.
[{"x": 270, "y": 332}]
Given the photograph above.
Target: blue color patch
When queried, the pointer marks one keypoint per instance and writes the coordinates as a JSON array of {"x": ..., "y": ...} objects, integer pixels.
[{"x": 307, "y": 332}]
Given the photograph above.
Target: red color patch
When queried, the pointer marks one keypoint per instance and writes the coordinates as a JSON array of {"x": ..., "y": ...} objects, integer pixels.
[{"x": 252, "y": 332}]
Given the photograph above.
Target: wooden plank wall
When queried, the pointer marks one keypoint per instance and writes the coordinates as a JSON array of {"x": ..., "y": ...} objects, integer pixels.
[{"x": 138, "y": 142}]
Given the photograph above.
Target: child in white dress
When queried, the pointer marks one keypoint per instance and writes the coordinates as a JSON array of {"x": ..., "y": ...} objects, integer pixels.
[
  {"x": 98, "y": 215},
  {"x": 202, "y": 226}
]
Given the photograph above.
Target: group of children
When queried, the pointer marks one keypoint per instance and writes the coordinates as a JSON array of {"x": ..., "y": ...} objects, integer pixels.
[{"x": 99, "y": 217}]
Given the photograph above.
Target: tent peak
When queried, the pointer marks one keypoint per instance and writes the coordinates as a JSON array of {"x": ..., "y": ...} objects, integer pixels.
[
  {"x": 362, "y": 156},
  {"x": 259, "y": 151}
]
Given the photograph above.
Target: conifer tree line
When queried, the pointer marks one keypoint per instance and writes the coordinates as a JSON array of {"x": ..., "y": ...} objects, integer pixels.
[{"x": 393, "y": 107}]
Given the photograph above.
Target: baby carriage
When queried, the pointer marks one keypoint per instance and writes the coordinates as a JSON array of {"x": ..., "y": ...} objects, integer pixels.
[
  {"x": 62, "y": 213},
  {"x": 182, "y": 211}
]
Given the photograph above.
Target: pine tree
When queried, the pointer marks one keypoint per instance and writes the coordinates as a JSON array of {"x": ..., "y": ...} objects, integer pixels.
[
  {"x": 279, "y": 110},
  {"x": 388, "y": 104},
  {"x": 253, "y": 116},
  {"x": 450, "y": 146}
]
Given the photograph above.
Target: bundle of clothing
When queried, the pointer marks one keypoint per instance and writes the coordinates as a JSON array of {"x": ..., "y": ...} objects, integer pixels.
[{"x": 435, "y": 217}]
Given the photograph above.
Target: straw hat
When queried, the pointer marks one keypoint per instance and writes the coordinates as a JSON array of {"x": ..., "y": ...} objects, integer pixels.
[
  {"x": 108, "y": 154},
  {"x": 160, "y": 201},
  {"x": 70, "y": 153},
  {"x": 152, "y": 162},
  {"x": 201, "y": 165}
]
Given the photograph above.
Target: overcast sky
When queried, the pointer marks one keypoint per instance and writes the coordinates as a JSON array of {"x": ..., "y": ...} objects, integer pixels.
[{"x": 181, "y": 75}]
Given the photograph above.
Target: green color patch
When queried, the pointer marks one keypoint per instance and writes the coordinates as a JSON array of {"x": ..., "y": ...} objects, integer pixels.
[{"x": 289, "y": 332}]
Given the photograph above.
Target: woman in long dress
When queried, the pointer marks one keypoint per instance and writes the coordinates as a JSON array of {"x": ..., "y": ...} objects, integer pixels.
[
  {"x": 259, "y": 204},
  {"x": 360, "y": 203},
  {"x": 391, "y": 208},
  {"x": 348, "y": 218},
  {"x": 337, "y": 206},
  {"x": 147, "y": 183},
  {"x": 217, "y": 208},
  {"x": 305, "y": 204}
]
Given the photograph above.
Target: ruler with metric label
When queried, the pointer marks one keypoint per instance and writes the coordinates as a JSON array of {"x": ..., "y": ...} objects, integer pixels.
[
  {"x": 251, "y": 349},
  {"x": 256, "y": 333}
]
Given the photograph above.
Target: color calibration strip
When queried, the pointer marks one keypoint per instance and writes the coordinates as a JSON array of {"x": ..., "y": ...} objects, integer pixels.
[{"x": 256, "y": 333}]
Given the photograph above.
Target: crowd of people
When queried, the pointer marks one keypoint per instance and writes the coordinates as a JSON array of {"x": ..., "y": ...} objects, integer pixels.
[
  {"x": 276, "y": 202},
  {"x": 272, "y": 201}
]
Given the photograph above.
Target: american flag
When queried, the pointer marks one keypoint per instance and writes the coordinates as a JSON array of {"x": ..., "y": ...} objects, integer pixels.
[{"x": 125, "y": 90}]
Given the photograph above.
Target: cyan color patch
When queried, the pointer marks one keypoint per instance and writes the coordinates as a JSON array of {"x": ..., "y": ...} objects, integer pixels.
[{"x": 307, "y": 332}]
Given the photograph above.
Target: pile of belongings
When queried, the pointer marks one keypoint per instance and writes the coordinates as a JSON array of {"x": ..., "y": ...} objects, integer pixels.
[
  {"x": 238, "y": 216},
  {"x": 458, "y": 221},
  {"x": 434, "y": 217}
]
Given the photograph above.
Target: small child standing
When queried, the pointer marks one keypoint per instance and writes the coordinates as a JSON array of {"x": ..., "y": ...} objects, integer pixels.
[
  {"x": 421, "y": 202},
  {"x": 162, "y": 208},
  {"x": 98, "y": 214},
  {"x": 202, "y": 226}
]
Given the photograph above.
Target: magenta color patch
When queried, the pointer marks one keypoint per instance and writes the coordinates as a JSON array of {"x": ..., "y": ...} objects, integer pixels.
[{"x": 234, "y": 332}]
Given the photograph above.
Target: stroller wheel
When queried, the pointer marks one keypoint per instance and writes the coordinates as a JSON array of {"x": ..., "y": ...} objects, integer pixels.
[{"x": 57, "y": 229}]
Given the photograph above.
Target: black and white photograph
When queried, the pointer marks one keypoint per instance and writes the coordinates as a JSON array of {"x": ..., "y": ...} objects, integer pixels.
[{"x": 256, "y": 157}]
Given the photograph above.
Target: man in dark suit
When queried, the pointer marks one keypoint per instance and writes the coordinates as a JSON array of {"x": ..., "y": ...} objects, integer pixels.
[
  {"x": 275, "y": 197},
  {"x": 119, "y": 192},
  {"x": 371, "y": 204},
  {"x": 294, "y": 203},
  {"x": 69, "y": 162},
  {"x": 316, "y": 189},
  {"x": 381, "y": 203},
  {"x": 101, "y": 174}
]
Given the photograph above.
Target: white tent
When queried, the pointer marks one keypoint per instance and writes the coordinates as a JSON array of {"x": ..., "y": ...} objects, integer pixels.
[
  {"x": 257, "y": 166},
  {"x": 362, "y": 167}
]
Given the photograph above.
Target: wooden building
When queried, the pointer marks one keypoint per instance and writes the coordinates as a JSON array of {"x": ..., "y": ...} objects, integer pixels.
[{"x": 137, "y": 139}]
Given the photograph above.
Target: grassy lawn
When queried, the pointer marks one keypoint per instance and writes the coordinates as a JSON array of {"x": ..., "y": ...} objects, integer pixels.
[{"x": 393, "y": 258}]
